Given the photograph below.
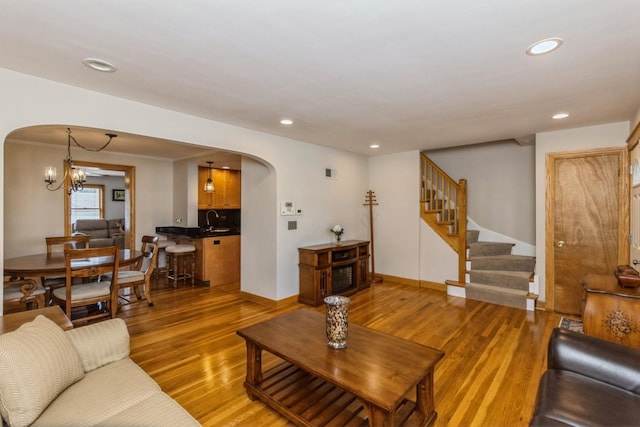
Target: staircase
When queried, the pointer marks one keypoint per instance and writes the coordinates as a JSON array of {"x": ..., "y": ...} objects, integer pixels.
[
  {"x": 487, "y": 271},
  {"x": 497, "y": 276}
]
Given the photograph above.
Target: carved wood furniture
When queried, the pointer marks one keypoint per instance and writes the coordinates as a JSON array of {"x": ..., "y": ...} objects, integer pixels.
[
  {"x": 611, "y": 312},
  {"x": 83, "y": 286},
  {"x": 333, "y": 269},
  {"x": 140, "y": 275},
  {"x": 317, "y": 385}
]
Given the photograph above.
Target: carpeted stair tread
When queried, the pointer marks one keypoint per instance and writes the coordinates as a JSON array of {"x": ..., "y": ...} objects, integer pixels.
[
  {"x": 497, "y": 295},
  {"x": 504, "y": 262},
  {"x": 518, "y": 280},
  {"x": 472, "y": 236},
  {"x": 489, "y": 248}
]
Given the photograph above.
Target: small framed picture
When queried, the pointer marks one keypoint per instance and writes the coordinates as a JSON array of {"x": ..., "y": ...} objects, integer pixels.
[{"x": 117, "y": 195}]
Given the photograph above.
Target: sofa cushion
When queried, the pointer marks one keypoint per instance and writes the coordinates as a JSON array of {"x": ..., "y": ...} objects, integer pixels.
[
  {"x": 101, "y": 394},
  {"x": 157, "y": 410},
  {"x": 93, "y": 227},
  {"x": 37, "y": 363},
  {"x": 101, "y": 343}
]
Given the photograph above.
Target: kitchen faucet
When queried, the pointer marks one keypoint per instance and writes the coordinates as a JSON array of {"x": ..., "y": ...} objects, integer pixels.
[{"x": 207, "y": 216}]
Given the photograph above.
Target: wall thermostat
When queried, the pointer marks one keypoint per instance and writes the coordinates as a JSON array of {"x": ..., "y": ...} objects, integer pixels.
[{"x": 287, "y": 208}]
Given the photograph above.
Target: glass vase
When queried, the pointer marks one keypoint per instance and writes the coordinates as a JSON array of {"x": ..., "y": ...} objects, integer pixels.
[{"x": 337, "y": 321}]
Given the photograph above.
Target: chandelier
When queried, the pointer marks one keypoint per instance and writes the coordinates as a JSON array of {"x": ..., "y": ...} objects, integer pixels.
[
  {"x": 74, "y": 177},
  {"x": 208, "y": 186}
]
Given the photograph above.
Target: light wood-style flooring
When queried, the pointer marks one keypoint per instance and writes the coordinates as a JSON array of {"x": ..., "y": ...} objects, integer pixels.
[{"x": 494, "y": 355}]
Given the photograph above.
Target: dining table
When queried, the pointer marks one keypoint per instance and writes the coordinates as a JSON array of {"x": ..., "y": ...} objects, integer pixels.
[{"x": 53, "y": 264}]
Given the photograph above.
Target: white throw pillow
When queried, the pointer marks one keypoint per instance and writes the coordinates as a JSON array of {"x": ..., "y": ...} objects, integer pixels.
[{"x": 37, "y": 362}]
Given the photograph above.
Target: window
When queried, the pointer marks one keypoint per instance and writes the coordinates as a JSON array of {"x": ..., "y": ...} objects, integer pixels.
[{"x": 87, "y": 203}]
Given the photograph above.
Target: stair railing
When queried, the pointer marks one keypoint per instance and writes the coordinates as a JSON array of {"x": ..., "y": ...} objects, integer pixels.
[{"x": 444, "y": 207}]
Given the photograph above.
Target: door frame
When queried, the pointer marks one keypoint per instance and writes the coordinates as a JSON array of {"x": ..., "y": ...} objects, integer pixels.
[
  {"x": 129, "y": 207},
  {"x": 623, "y": 210}
]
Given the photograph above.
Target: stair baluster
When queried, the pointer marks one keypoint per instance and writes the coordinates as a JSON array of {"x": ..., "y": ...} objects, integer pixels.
[{"x": 444, "y": 207}]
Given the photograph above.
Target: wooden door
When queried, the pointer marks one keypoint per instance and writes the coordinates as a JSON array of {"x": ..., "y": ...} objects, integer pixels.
[{"x": 586, "y": 222}]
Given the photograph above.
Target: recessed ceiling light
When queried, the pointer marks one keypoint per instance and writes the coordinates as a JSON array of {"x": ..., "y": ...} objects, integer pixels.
[
  {"x": 544, "y": 46},
  {"x": 374, "y": 146},
  {"x": 560, "y": 116},
  {"x": 286, "y": 122},
  {"x": 226, "y": 167},
  {"x": 99, "y": 65}
]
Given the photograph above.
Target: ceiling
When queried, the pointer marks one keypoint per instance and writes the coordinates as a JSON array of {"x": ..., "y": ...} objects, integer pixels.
[{"x": 405, "y": 74}]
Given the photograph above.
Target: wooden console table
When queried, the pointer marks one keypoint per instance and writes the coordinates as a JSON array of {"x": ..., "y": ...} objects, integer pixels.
[
  {"x": 333, "y": 269},
  {"x": 369, "y": 382},
  {"x": 611, "y": 312}
]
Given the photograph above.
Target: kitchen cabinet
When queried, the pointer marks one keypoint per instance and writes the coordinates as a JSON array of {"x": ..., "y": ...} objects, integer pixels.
[
  {"x": 333, "y": 269},
  {"x": 227, "y": 193},
  {"x": 218, "y": 260}
]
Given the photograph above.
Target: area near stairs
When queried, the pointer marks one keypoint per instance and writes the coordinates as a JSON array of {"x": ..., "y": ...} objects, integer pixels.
[{"x": 488, "y": 271}]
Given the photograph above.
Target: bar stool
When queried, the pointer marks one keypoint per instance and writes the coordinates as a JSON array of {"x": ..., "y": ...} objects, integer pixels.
[
  {"x": 176, "y": 266},
  {"x": 161, "y": 265}
]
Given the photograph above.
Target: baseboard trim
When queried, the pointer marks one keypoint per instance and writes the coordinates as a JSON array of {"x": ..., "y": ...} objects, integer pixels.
[
  {"x": 413, "y": 282},
  {"x": 433, "y": 285},
  {"x": 275, "y": 304},
  {"x": 401, "y": 280}
]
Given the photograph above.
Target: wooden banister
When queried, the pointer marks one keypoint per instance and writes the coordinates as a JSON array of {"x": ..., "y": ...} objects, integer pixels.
[{"x": 443, "y": 205}]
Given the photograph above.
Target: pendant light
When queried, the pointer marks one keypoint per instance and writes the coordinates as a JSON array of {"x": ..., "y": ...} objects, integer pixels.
[{"x": 208, "y": 186}]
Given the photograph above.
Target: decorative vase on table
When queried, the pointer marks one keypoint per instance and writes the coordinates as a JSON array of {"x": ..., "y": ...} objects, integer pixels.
[
  {"x": 338, "y": 231},
  {"x": 337, "y": 320}
]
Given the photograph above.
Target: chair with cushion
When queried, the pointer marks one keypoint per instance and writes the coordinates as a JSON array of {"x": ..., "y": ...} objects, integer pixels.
[
  {"x": 142, "y": 271},
  {"x": 61, "y": 242},
  {"x": 23, "y": 291},
  {"x": 178, "y": 265},
  {"x": 95, "y": 295}
]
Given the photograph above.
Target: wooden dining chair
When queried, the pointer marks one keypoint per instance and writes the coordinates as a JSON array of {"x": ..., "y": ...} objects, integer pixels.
[
  {"x": 140, "y": 275},
  {"x": 95, "y": 295},
  {"x": 23, "y": 292},
  {"x": 60, "y": 243}
]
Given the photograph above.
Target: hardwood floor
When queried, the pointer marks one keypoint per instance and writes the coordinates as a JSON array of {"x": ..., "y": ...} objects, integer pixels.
[{"x": 494, "y": 355}]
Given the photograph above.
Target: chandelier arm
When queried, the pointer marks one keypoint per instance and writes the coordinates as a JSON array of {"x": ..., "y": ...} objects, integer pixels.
[
  {"x": 110, "y": 135},
  {"x": 91, "y": 149}
]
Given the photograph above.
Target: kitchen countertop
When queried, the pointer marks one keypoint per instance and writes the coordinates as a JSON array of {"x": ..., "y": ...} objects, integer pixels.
[{"x": 196, "y": 232}]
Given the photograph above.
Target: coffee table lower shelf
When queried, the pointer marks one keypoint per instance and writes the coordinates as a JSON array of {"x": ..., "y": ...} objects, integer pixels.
[{"x": 310, "y": 401}]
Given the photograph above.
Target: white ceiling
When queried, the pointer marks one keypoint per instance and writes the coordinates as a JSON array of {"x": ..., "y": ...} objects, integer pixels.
[{"x": 406, "y": 74}]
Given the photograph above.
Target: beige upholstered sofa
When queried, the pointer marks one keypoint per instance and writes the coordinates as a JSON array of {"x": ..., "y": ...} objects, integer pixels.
[
  {"x": 81, "y": 377},
  {"x": 103, "y": 232}
]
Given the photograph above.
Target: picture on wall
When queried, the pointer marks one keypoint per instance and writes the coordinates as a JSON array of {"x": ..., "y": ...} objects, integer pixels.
[{"x": 117, "y": 195}]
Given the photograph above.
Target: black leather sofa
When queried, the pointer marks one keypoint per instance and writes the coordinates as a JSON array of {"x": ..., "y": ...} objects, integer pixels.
[{"x": 588, "y": 382}]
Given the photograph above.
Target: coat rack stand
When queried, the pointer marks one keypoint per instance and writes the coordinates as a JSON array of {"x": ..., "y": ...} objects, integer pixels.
[{"x": 370, "y": 200}]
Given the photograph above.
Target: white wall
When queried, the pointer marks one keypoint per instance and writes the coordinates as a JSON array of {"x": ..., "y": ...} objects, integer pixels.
[
  {"x": 501, "y": 190},
  {"x": 395, "y": 179},
  {"x": 603, "y": 136},
  {"x": 299, "y": 168},
  {"x": 112, "y": 209}
]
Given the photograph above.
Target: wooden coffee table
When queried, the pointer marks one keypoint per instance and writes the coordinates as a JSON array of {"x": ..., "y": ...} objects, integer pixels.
[{"x": 318, "y": 386}]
